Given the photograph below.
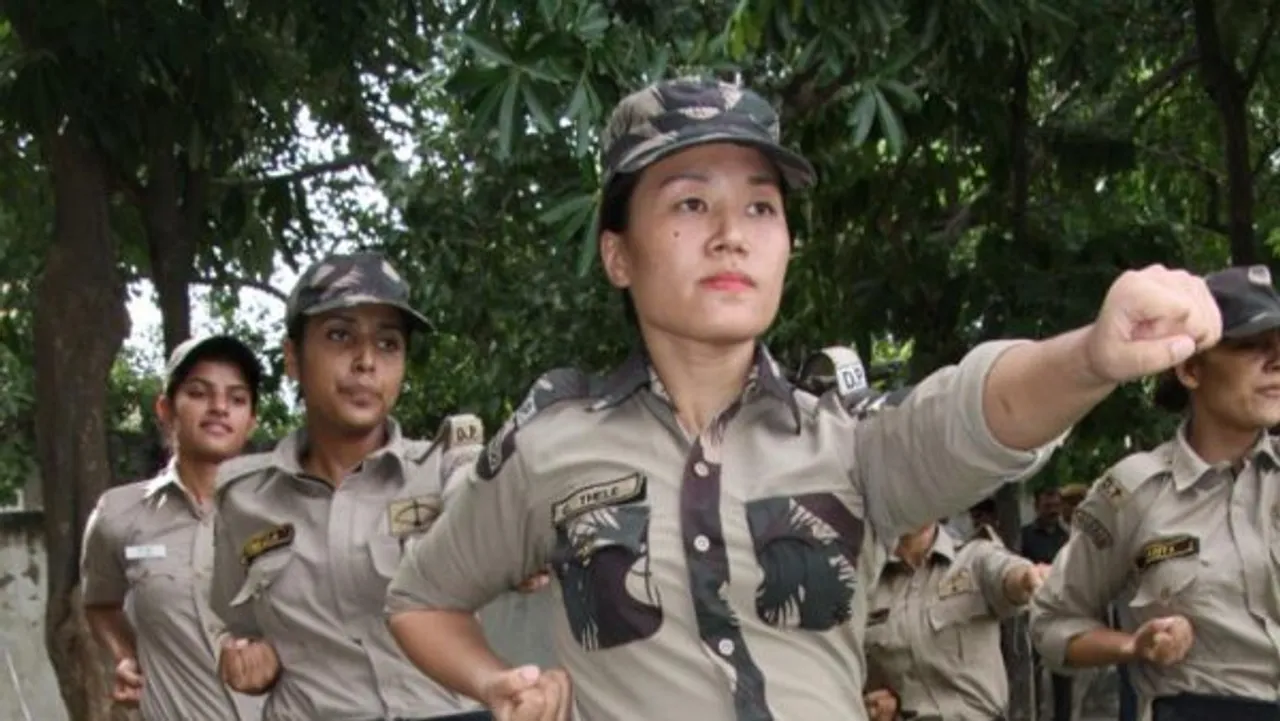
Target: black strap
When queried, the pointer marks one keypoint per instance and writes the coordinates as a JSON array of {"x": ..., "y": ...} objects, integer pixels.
[{"x": 1202, "y": 707}]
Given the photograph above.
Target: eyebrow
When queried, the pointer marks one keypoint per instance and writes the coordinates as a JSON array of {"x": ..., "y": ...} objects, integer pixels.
[
  {"x": 382, "y": 324},
  {"x": 692, "y": 175}
]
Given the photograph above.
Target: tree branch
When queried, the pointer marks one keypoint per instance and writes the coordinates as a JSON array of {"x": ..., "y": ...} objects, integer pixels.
[
  {"x": 1254, "y": 67},
  {"x": 340, "y": 163},
  {"x": 229, "y": 281}
]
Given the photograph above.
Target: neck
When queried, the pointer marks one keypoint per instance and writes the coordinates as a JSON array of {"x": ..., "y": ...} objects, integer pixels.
[
  {"x": 702, "y": 379},
  {"x": 197, "y": 476},
  {"x": 1217, "y": 442},
  {"x": 913, "y": 548},
  {"x": 330, "y": 455}
]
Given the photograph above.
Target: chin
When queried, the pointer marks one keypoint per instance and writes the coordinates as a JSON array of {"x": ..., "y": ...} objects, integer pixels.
[
  {"x": 723, "y": 328},
  {"x": 216, "y": 451}
]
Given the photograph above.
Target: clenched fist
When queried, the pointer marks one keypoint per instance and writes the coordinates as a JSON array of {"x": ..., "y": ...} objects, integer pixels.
[
  {"x": 1151, "y": 320},
  {"x": 127, "y": 687},
  {"x": 1163, "y": 641},
  {"x": 529, "y": 693},
  {"x": 248, "y": 666}
]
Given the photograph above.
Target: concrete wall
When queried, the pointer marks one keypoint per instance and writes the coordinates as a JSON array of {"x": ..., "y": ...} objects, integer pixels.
[{"x": 26, "y": 676}]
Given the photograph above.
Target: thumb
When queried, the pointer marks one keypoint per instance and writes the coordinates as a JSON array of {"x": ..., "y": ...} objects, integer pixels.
[{"x": 516, "y": 680}]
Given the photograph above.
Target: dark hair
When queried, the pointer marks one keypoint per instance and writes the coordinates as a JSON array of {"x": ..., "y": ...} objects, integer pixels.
[
  {"x": 1170, "y": 394},
  {"x": 986, "y": 505},
  {"x": 1046, "y": 490}
]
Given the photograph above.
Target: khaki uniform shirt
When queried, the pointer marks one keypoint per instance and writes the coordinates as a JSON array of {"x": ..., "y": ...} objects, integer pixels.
[
  {"x": 933, "y": 633},
  {"x": 305, "y": 566},
  {"x": 722, "y": 576},
  {"x": 149, "y": 543},
  {"x": 1170, "y": 534}
]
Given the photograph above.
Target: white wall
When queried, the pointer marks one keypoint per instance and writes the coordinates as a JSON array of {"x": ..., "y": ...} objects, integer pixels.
[{"x": 22, "y": 649}]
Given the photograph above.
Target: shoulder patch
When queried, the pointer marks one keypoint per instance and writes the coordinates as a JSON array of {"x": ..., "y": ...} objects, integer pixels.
[
  {"x": 463, "y": 429},
  {"x": 556, "y": 386},
  {"x": 1122, "y": 479},
  {"x": 234, "y": 469},
  {"x": 1092, "y": 528}
]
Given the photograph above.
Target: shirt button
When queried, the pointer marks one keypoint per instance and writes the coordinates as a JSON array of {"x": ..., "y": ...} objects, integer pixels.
[
  {"x": 700, "y": 469},
  {"x": 725, "y": 647},
  {"x": 702, "y": 543}
]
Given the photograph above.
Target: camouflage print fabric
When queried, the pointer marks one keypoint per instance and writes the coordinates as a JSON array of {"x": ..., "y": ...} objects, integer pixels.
[
  {"x": 346, "y": 281},
  {"x": 669, "y": 116},
  {"x": 602, "y": 559}
]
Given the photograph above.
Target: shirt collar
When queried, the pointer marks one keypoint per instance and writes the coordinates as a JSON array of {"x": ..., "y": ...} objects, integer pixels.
[
  {"x": 943, "y": 548},
  {"x": 1188, "y": 467},
  {"x": 637, "y": 372},
  {"x": 163, "y": 479}
]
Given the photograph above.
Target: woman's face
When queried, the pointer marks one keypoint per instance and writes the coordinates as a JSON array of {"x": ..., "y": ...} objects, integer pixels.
[
  {"x": 706, "y": 247},
  {"x": 1237, "y": 382}
]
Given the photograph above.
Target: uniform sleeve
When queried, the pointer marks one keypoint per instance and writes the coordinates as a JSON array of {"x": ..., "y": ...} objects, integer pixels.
[
  {"x": 483, "y": 544},
  {"x": 229, "y": 575},
  {"x": 1089, "y": 572},
  {"x": 102, "y": 558},
  {"x": 933, "y": 454},
  {"x": 991, "y": 564}
]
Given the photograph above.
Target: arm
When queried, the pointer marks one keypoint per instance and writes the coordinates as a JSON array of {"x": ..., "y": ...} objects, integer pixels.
[
  {"x": 104, "y": 584},
  {"x": 229, "y": 576},
  {"x": 1068, "y": 612},
  {"x": 1003, "y": 577},
  {"x": 933, "y": 453},
  {"x": 482, "y": 545}
]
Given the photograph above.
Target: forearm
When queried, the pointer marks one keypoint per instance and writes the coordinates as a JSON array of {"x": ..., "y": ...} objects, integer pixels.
[
  {"x": 112, "y": 629},
  {"x": 448, "y": 646},
  {"x": 1036, "y": 391},
  {"x": 1016, "y": 590},
  {"x": 1100, "y": 647}
]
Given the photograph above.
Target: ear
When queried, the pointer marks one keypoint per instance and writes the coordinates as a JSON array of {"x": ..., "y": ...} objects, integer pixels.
[
  {"x": 1188, "y": 373},
  {"x": 291, "y": 364},
  {"x": 614, "y": 257},
  {"x": 164, "y": 410}
]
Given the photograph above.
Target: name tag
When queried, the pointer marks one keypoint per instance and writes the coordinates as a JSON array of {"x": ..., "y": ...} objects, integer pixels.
[
  {"x": 598, "y": 495},
  {"x": 137, "y": 553}
]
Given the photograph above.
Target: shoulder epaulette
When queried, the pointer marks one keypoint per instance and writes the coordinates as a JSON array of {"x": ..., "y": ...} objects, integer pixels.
[
  {"x": 553, "y": 387},
  {"x": 1123, "y": 479},
  {"x": 869, "y": 403},
  {"x": 234, "y": 469}
]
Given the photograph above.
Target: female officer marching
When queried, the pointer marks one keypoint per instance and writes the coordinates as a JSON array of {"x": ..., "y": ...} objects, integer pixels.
[
  {"x": 1188, "y": 536},
  {"x": 713, "y": 532}
]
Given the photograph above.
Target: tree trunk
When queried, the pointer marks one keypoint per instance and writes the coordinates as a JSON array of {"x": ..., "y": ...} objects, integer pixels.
[
  {"x": 1017, "y": 651},
  {"x": 79, "y": 323},
  {"x": 172, "y": 211},
  {"x": 1227, "y": 89}
]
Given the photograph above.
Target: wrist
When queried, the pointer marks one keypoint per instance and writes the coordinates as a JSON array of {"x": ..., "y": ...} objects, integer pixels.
[{"x": 1081, "y": 365}]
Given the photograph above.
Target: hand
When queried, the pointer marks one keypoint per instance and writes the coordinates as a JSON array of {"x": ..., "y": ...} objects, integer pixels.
[
  {"x": 882, "y": 705},
  {"x": 127, "y": 688},
  {"x": 1033, "y": 578},
  {"x": 1151, "y": 320},
  {"x": 529, "y": 694},
  {"x": 248, "y": 666},
  {"x": 534, "y": 583},
  {"x": 1163, "y": 641}
]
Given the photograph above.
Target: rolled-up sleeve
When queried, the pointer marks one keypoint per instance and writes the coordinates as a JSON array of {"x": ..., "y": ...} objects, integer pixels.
[
  {"x": 993, "y": 564},
  {"x": 934, "y": 454},
  {"x": 483, "y": 544},
  {"x": 102, "y": 558},
  {"x": 1087, "y": 574}
]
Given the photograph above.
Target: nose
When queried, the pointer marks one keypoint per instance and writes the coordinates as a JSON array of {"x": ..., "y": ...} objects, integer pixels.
[
  {"x": 218, "y": 403},
  {"x": 731, "y": 235},
  {"x": 366, "y": 354}
]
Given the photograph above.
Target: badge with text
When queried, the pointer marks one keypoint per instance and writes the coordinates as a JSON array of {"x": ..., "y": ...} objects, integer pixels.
[
  {"x": 138, "y": 553},
  {"x": 959, "y": 582},
  {"x": 598, "y": 495},
  {"x": 407, "y": 516},
  {"x": 1111, "y": 490},
  {"x": 267, "y": 540},
  {"x": 1164, "y": 549}
]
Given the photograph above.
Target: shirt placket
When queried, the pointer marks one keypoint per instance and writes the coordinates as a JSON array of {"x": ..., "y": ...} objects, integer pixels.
[
  {"x": 919, "y": 594},
  {"x": 1250, "y": 519}
]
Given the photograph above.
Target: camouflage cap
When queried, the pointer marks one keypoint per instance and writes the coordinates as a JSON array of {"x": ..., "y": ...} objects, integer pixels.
[
  {"x": 346, "y": 281},
  {"x": 666, "y": 117}
]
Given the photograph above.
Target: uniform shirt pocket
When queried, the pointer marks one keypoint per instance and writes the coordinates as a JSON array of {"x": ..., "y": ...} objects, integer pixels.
[
  {"x": 1166, "y": 588},
  {"x": 263, "y": 572},
  {"x": 950, "y": 617},
  {"x": 601, "y": 558},
  {"x": 807, "y": 546}
]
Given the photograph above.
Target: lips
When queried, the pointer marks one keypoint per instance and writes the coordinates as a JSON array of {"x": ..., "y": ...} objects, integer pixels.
[
  {"x": 216, "y": 428},
  {"x": 731, "y": 282}
]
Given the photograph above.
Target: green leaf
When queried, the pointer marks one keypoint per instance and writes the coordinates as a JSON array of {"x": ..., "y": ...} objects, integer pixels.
[
  {"x": 536, "y": 108},
  {"x": 507, "y": 116},
  {"x": 593, "y": 23},
  {"x": 889, "y": 123},
  {"x": 910, "y": 99},
  {"x": 864, "y": 115},
  {"x": 590, "y": 238},
  {"x": 566, "y": 209},
  {"x": 487, "y": 50}
]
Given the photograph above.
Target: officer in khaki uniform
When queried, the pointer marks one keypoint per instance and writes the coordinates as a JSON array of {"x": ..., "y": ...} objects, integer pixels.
[
  {"x": 148, "y": 546},
  {"x": 309, "y": 535},
  {"x": 1188, "y": 536},
  {"x": 714, "y": 532},
  {"x": 933, "y": 632}
]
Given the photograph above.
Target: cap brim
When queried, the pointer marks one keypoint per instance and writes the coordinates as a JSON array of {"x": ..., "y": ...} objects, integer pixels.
[
  {"x": 797, "y": 172},
  {"x": 1259, "y": 324},
  {"x": 220, "y": 345},
  {"x": 417, "y": 321}
]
